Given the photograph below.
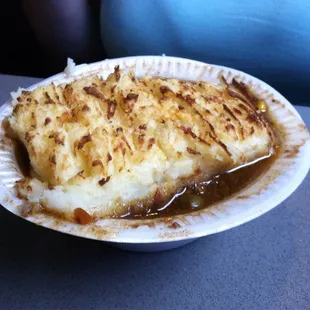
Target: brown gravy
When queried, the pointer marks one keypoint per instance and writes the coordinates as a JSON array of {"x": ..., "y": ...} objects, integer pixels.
[
  {"x": 216, "y": 189},
  {"x": 201, "y": 196}
]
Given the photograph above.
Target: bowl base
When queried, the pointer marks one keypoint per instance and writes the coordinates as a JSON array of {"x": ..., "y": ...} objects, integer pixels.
[{"x": 152, "y": 247}]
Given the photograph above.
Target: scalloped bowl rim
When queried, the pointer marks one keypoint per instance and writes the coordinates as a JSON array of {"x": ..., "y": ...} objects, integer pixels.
[{"x": 220, "y": 217}]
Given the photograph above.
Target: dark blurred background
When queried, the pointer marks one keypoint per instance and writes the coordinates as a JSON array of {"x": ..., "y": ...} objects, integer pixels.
[{"x": 21, "y": 52}]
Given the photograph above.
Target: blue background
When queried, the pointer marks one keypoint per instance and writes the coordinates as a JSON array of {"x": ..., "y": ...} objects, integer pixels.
[{"x": 268, "y": 39}]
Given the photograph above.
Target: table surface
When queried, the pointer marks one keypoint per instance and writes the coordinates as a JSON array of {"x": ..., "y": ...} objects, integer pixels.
[{"x": 263, "y": 264}]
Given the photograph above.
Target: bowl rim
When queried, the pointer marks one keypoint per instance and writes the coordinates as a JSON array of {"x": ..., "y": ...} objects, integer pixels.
[{"x": 160, "y": 232}]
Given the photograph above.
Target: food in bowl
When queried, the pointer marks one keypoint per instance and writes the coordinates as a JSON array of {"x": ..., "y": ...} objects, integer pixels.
[{"x": 130, "y": 146}]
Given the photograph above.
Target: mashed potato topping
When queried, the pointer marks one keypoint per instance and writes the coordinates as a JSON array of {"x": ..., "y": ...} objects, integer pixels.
[{"x": 106, "y": 145}]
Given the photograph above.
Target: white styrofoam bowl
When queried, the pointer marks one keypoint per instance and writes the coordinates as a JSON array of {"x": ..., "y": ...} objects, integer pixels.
[{"x": 265, "y": 193}]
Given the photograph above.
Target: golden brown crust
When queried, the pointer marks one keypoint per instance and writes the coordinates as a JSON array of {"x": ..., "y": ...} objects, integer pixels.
[{"x": 105, "y": 127}]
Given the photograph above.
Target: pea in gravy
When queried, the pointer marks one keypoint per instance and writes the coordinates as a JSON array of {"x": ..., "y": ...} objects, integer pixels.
[
  {"x": 205, "y": 194},
  {"x": 198, "y": 197}
]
